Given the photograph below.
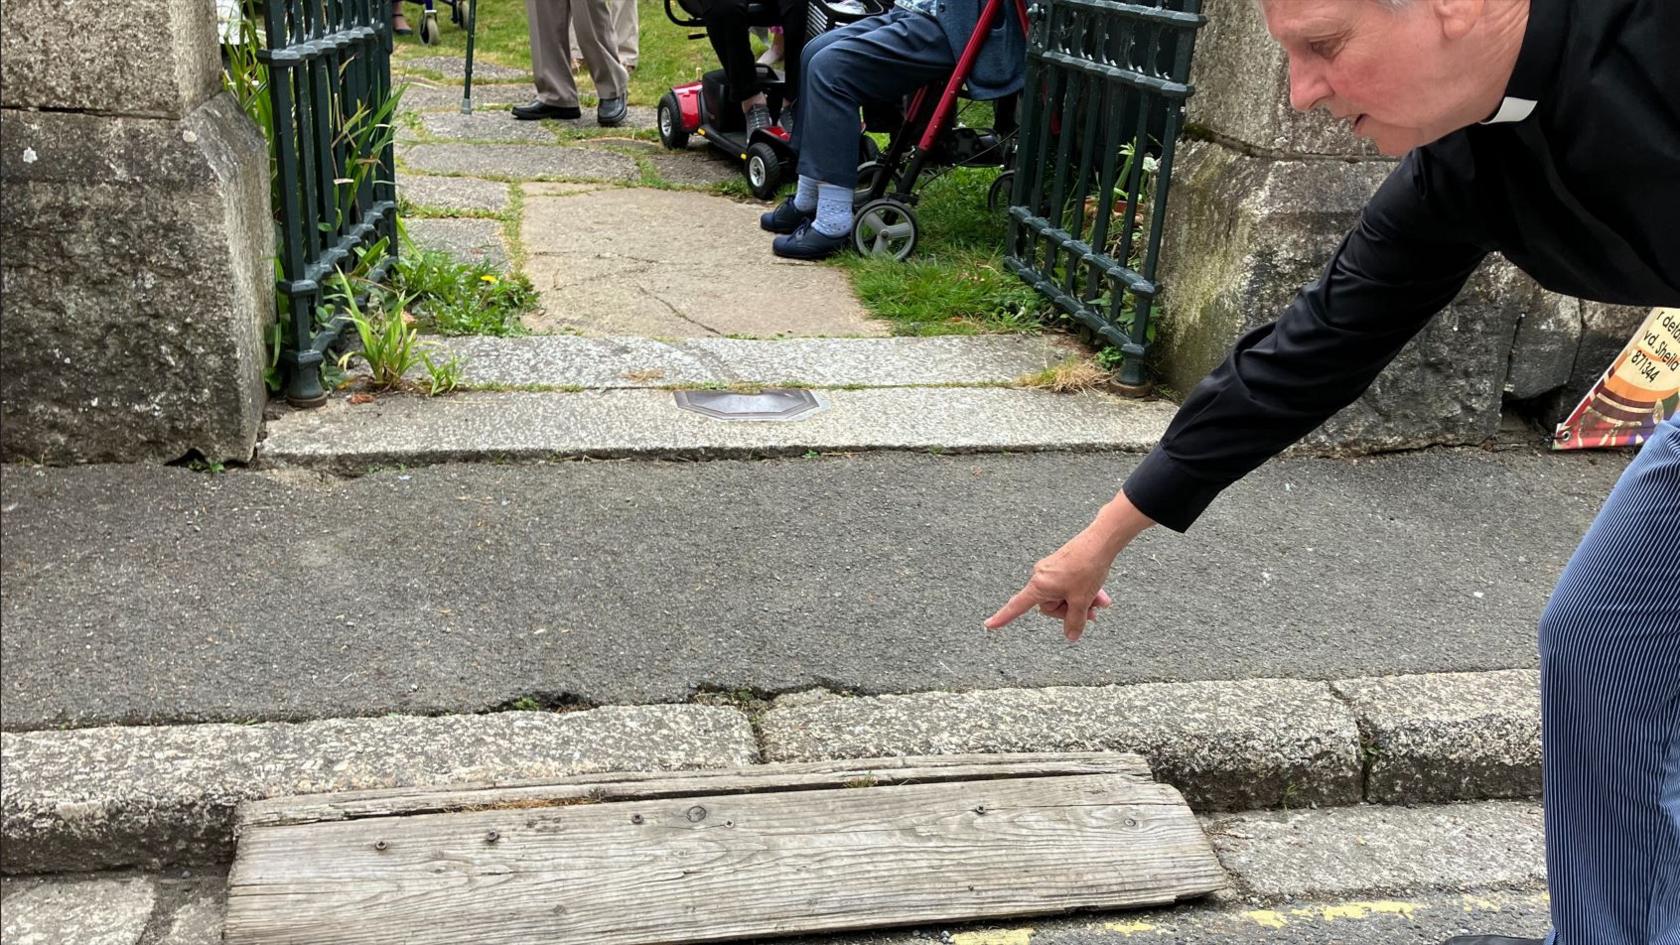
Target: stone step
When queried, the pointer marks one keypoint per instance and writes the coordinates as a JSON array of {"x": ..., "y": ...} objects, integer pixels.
[
  {"x": 571, "y": 361},
  {"x": 412, "y": 430}
]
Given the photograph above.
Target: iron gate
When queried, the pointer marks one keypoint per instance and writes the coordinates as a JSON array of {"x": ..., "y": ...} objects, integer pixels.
[
  {"x": 329, "y": 84},
  {"x": 1104, "y": 103}
]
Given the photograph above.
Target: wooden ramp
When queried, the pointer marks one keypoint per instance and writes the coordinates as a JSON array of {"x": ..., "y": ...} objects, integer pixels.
[{"x": 717, "y": 855}]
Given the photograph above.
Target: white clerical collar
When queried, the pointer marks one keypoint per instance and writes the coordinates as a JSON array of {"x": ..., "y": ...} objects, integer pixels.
[{"x": 1512, "y": 109}]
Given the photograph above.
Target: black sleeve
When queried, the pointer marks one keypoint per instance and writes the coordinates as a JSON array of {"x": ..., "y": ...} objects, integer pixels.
[{"x": 1406, "y": 259}]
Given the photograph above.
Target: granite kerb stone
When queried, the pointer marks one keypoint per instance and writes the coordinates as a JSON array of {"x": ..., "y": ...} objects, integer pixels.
[
  {"x": 1442, "y": 737},
  {"x": 157, "y": 796},
  {"x": 1226, "y": 745}
]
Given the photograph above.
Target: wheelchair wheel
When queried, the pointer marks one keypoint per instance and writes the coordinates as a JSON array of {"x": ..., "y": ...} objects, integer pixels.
[
  {"x": 868, "y": 150},
  {"x": 997, "y": 197},
  {"x": 764, "y": 171},
  {"x": 672, "y": 134},
  {"x": 429, "y": 28},
  {"x": 885, "y": 228},
  {"x": 868, "y": 173}
]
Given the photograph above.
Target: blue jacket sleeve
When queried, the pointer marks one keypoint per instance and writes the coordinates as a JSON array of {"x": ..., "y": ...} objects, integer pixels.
[{"x": 1409, "y": 255}]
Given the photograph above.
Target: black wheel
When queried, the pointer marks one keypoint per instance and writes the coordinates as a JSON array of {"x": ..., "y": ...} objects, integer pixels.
[
  {"x": 885, "y": 228},
  {"x": 764, "y": 171},
  {"x": 672, "y": 134},
  {"x": 868, "y": 173},
  {"x": 868, "y": 150},
  {"x": 429, "y": 28},
  {"x": 997, "y": 197}
]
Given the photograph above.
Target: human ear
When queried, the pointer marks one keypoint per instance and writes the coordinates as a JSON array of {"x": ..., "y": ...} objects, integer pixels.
[{"x": 1457, "y": 17}]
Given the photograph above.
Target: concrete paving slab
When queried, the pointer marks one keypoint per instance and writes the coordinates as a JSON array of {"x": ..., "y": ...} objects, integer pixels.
[
  {"x": 412, "y": 430},
  {"x": 78, "y": 910},
  {"x": 1224, "y": 745},
  {"x": 520, "y": 162},
  {"x": 447, "y": 98},
  {"x": 1443, "y": 737},
  {"x": 697, "y": 168},
  {"x": 455, "y": 67},
  {"x": 651, "y": 580},
  {"x": 1372, "y": 850},
  {"x": 193, "y": 910},
  {"x": 670, "y": 264},
  {"x": 569, "y": 360},
  {"x": 470, "y": 241},
  {"x": 489, "y": 125},
  {"x": 156, "y": 796},
  {"x": 454, "y": 193},
  {"x": 560, "y": 188}
]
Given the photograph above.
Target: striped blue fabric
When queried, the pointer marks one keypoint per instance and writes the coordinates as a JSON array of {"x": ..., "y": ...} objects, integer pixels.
[{"x": 1610, "y": 704}]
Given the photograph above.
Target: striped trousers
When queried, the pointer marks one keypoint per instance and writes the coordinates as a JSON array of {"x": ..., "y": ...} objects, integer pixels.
[{"x": 1610, "y": 715}]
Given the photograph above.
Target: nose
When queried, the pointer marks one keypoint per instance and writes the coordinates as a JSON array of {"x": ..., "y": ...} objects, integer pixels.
[{"x": 1307, "y": 86}]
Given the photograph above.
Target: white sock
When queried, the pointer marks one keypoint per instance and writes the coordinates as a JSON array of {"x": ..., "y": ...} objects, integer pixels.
[
  {"x": 834, "y": 210},
  {"x": 805, "y": 198}
]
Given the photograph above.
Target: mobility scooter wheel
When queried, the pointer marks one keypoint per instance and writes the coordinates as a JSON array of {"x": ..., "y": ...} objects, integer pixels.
[
  {"x": 672, "y": 134},
  {"x": 429, "y": 28},
  {"x": 885, "y": 227},
  {"x": 764, "y": 171},
  {"x": 997, "y": 197}
]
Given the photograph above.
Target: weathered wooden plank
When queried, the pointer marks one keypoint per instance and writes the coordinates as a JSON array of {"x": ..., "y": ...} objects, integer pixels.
[
  {"x": 720, "y": 867},
  {"x": 619, "y": 786}
]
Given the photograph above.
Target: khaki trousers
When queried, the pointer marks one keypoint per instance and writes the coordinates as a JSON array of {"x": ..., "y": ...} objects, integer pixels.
[
  {"x": 596, "y": 41},
  {"x": 627, "y": 27}
]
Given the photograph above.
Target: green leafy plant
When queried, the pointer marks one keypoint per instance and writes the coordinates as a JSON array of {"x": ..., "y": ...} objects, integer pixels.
[
  {"x": 442, "y": 376},
  {"x": 455, "y": 298},
  {"x": 389, "y": 344}
]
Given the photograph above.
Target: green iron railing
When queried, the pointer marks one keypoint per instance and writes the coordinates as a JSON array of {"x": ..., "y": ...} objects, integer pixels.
[
  {"x": 1104, "y": 103},
  {"x": 330, "y": 87}
]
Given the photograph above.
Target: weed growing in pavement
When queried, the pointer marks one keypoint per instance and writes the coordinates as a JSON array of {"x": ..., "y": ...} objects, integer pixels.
[
  {"x": 450, "y": 297},
  {"x": 1070, "y": 376},
  {"x": 442, "y": 377},
  {"x": 390, "y": 345}
]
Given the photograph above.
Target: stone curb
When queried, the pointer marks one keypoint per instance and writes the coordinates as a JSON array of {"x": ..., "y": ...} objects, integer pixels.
[
  {"x": 1448, "y": 736},
  {"x": 99, "y": 798},
  {"x": 155, "y": 796},
  {"x": 1224, "y": 745}
]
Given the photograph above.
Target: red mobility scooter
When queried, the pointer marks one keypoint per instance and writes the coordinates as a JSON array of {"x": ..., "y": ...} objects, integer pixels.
[{"x": 766, "y": 157}]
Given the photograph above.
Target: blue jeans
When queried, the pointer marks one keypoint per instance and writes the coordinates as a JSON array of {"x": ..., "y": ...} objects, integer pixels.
[
  {"x": 882, "y": 58},
  {"x": 1610, "y": 715}
]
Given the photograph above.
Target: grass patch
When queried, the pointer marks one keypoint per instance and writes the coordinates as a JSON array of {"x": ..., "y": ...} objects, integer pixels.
[
  {"x": 667, "y": 56},
  {"x": 955, "y": 283}
]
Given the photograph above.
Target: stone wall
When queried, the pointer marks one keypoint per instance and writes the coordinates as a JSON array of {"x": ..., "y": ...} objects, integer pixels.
[
  {"x": 137, "y": 272},
  {"x": 1262, "y": 195}
]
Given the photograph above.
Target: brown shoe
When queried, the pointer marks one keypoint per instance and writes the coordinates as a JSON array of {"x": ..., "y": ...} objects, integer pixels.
[{"x": 399, "y": 23}]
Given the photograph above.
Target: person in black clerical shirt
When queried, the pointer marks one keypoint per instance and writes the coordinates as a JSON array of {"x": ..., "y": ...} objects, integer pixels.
[{"x": 1548, "y": 131}]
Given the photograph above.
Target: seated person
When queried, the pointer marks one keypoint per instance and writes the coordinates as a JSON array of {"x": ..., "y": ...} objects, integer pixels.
[
  {"x": 727, "y": 28},
  {"x": 882, "y": 58}
]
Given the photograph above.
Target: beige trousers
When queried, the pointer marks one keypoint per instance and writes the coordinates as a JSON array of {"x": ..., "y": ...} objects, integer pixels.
[
  {"x": 596, "y": 41},
  {"x": 627, "y": 27}
]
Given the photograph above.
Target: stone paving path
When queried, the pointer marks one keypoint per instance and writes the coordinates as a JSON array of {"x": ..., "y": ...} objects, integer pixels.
[{"x": 619, "y": 235}]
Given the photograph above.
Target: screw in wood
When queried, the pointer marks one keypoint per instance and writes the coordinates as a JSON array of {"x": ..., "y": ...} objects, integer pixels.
[
  {"x": 696, "y": 814},
  {"x": 379, "y": 845},
  {"x": 981, "y": 810},
  {"x": 492, "y": 837},
  {"x": 635, "y": 818}
]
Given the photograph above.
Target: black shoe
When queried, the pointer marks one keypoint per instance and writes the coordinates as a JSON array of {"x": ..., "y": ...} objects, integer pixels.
[
  {"x": 785, "y": 218},
  {"x": 1492, "y": 940},
  {"x": 611, "y": 113},
  {"x": 808, "y": 242},
  {"x": 536, "y": 111}
]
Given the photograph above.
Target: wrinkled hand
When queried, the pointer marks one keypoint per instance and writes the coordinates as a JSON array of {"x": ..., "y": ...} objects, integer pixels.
[{"x": 1067, "y": 585}]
